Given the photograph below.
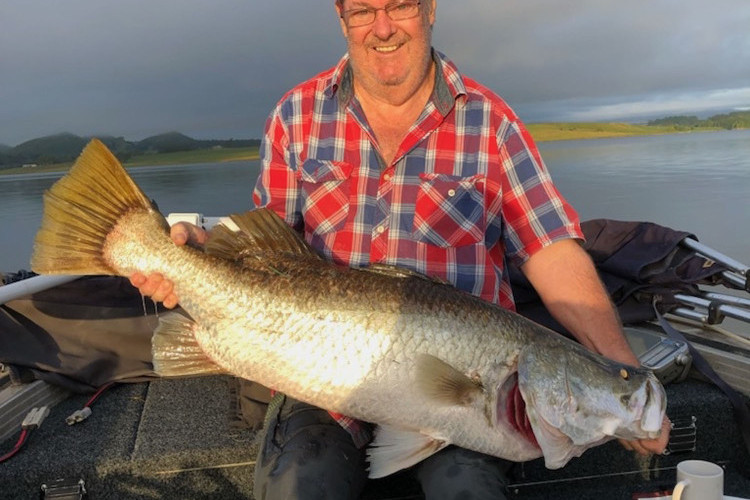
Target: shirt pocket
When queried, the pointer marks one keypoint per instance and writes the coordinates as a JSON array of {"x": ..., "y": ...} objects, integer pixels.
[
  {"x": 325, "y": 188},
  {"x": 449, "y": 210}
]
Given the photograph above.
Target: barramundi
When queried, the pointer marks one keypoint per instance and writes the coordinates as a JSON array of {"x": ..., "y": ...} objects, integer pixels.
[{"x": 429, "y": 364}]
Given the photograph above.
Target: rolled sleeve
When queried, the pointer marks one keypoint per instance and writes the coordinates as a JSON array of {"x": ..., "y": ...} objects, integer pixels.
[{"x": 534, "y": 211}]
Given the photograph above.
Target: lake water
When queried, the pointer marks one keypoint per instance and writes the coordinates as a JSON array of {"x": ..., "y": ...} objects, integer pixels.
[{"x": 696, "y": 182}]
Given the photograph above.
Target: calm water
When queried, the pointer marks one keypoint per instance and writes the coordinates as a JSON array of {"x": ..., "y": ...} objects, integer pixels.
[{"x": 694, "y": 182}]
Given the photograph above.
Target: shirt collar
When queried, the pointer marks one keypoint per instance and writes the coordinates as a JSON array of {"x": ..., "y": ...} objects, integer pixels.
[{"x": 449, "y": 86}]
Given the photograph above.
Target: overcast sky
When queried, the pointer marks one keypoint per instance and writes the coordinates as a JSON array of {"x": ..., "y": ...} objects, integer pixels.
[{"x": 215, "y": 68}]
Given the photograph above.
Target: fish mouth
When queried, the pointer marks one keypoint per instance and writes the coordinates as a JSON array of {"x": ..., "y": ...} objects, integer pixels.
[
  {"x": 656, "y": 403},
  {"x": 650, "y": 409},
  {"x": 511, "y": 408}
]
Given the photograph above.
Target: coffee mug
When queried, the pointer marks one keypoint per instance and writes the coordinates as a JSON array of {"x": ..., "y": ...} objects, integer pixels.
[{"x": 699, "y": 480}]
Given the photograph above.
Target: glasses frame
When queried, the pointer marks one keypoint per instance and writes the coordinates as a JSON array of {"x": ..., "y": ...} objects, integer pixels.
[{"x": 374, "y": 12}]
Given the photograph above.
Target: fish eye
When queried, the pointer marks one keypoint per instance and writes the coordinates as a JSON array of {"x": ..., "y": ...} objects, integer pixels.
[{"x": 624, "y": 374}]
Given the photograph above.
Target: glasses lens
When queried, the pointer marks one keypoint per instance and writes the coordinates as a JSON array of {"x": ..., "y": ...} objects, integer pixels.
[
  {"x": 403, "y": 10},
  {"x": 359, "y": 17}
]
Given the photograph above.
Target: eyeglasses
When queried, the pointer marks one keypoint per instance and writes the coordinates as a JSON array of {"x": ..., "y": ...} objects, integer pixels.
[{"x": 355, "y": 18}]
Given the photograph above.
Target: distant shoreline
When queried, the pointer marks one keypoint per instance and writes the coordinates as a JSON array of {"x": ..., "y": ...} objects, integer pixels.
[
  {"x": 157, "y": 159},
  {"x": 562, "y": 131},
  {"x": 542, "y": 132}
]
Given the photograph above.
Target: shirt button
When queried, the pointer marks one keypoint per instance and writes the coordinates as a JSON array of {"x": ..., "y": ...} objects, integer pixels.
[
  {"x": 380, "y": 230},
  {"x": 387, "y": 177},
  {"x": 451, "y": 192}
]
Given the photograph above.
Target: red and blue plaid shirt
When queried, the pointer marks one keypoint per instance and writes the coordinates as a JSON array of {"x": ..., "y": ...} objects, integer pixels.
[{"x": 466, "y": 190}]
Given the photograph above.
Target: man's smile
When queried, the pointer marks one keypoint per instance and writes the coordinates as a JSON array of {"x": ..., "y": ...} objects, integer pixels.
[{"x": 386, "y": 48}]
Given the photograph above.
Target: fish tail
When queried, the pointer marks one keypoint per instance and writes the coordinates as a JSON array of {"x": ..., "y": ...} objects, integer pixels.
[{"x": 80, "y": 210}]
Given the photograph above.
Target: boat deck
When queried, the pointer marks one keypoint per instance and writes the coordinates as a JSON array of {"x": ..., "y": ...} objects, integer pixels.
[{"x": 174, "y": 439}]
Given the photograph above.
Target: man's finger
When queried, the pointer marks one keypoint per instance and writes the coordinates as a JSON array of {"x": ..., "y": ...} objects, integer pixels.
[
  {"x": 151, "y": 284},
  {"x": 179, "y": 233},
  {"x": 170, "y": 302},
  {"x": 137, "y": 279},
  {"x": 183, "y": 233},
  {"x": 625, "y": 444},
  {"x": 638, "y": 447},
  {"x": 162, "y": 291}
]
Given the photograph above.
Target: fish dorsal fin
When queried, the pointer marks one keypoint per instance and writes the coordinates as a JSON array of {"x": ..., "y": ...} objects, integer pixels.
[
  {"x": 394, "y": 449},
  {"x": 260, "y": 232},
  {"x": 443, "y": 383},
  {"x": 175, "y": 351},
  {"x": 399, "y": 272}
]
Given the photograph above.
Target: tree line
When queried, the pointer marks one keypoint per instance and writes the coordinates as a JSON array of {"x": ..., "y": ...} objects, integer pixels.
[
  {"x": 66, "y": 147},
  {"x": 729, "y": 121}
]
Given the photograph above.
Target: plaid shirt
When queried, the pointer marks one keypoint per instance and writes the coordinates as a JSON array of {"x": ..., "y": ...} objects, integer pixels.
[{"x": 467, "y": 187}]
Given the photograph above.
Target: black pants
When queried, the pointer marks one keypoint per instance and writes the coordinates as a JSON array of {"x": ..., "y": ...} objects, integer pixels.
[{"x": 307, "y": 455}]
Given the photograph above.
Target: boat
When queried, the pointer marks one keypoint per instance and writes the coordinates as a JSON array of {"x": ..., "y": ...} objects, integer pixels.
[{"x": 116, "y": 430}]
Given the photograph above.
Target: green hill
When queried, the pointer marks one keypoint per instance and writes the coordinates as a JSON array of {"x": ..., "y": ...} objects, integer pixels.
[
  {"x": 66, "y": 147},
  {"x": 51, "y": 149},
  {"x": 166, "y": 143}
]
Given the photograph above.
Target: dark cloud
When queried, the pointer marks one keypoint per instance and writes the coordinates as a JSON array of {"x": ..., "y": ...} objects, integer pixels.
[
  {"x": 214, "y": 69},
  {"x": 577, "y": 57}
]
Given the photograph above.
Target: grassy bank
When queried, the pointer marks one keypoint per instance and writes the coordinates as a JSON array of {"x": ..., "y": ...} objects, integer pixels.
[
  {"x": 196, "y": 156},
  {"x": 593, "y": 130},
  {"x": 178, "y": 158}
]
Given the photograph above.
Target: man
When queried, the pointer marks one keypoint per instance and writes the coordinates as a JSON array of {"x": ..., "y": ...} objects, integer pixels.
[{"x": 392, "y": 156}]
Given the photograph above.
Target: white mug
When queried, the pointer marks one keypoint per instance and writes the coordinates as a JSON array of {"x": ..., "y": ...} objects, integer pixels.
[{"x": 699, "y": 480}]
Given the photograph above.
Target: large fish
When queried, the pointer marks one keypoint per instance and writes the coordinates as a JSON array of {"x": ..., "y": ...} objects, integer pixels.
[{"x": 431, "y": 365}]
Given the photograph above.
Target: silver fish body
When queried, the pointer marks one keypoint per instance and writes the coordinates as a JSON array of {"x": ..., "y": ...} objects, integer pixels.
[{"x": 431, "y": 365}]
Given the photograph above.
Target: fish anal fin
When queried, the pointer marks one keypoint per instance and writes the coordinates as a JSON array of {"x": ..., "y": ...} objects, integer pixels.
[
  {"x": 443, "y": 383},
  {"x": 175, "y": 351},
  {"x": 260, "y": 231},
  {"x": 394, "y": 449}
]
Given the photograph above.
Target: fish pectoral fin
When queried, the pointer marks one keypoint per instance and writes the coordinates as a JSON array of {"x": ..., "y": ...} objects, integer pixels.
[
  {"x": 175, "y": 351},
  {"x": 441, "y": 382},
  {"x": 394, "y": 449}
]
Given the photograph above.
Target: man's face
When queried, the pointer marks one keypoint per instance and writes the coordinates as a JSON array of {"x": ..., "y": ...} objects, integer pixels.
[{"x": 387, "y": 52}]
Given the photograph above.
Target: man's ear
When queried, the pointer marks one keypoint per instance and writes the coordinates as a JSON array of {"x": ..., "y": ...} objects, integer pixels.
[{"x": 339, "y": 10}]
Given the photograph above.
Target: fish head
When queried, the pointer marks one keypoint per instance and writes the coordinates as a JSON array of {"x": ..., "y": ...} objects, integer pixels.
[{"x": 576, "y": 399}]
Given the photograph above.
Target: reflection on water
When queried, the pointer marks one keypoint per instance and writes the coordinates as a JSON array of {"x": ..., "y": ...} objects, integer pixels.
[{"x": 695, "y": 182}]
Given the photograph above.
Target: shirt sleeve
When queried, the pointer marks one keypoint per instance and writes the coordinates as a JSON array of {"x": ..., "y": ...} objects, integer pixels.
[
  {"x": 277, "y": 186},
  {"x": 534, "y": 212}
]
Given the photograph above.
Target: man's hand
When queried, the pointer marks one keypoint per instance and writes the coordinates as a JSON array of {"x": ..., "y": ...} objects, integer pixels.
[
  {"x": 156, "y": 285},
  {"x": 649, "y": 446}
]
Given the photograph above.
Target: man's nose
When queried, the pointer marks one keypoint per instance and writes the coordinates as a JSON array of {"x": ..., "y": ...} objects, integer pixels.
[{"x": 383, "y": 26}]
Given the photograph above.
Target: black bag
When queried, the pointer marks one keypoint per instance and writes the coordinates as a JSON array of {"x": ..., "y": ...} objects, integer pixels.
[
  {"x": 79, "y": 335},
  {"x": 635, "y": 261}
]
